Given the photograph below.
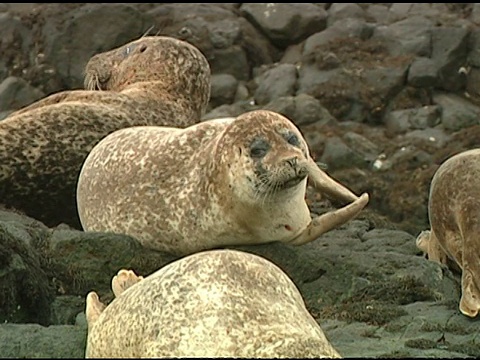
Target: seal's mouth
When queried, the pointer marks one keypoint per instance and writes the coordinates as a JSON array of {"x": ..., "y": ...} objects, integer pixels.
[{"x": 291, "y": 182}]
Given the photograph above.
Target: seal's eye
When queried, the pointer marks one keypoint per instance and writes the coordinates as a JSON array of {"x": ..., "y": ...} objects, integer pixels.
[
  {"x": 142, "y": 48},
  {"x": 259, "y": 148},
  {"x": 292, "y": 139}
]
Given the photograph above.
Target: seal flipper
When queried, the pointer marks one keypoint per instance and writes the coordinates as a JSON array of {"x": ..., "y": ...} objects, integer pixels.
[
  {"x": 123, "y": 281},
  {"x": 470, "y": 230},
  {"x": 324, "y": 183},
  {"x": 93, "y": 308},
  {"x": 326, "y": 222}
]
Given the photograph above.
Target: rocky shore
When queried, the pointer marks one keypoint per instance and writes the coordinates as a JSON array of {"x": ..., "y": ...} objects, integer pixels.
[{"x": 383, "y": 93}]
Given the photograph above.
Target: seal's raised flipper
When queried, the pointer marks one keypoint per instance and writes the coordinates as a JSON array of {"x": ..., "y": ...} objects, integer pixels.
[
  {"x": 123, "y": 280},
  {"x": 428, "y": 243},
  {"x": 326, "y": 222},
  {"x": 93, "y": 308},
  {"x": 325, "y": 184}
]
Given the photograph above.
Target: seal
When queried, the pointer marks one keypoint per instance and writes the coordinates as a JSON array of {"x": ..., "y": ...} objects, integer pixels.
[
  {"x": 153, "y": 80},
  {"x": 454, "y": 215},
  {"x": 233, "y": 181},
  {"x": 217, "y": 303}
]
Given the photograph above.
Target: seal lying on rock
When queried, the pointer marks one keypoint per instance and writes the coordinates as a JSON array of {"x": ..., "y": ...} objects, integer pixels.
[
  {"x": 221, "y": 182},
  {"x": 154, "y": 80},
  {"x": 219, "y": 303},
  {"x": 454, "y": 213}
]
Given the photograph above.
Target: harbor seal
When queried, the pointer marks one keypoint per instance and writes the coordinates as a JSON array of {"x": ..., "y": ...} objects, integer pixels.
[
  {"x": 234, "y": 181},
  {"x": 154, "y": 80},
  {"x": 454, "y": 214},
  {"x": 217, "y": 303}
]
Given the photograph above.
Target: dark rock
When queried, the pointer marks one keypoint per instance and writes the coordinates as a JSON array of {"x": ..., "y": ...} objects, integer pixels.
[
  {"x": 34, "y": 341},
  {"x": 409, "y": 36},
  {"x": 423, "y": 72},
  {"x": 457, "y": 113},
  {"x": 475, "y": 14},
  {"x": 65, "y": 309},
  {"x": 433, "y": 137},
  {"x": 232, "y": 110},
  {"x": 302, "y": 109},
  {"x": 348, "y": 28},
  {"x": 401, "y": 121},
  {"x": 342, "y": 11},
  {"x": 473, "y": 84},
  {"x": 16, "y": 93},
  {"x": 292, "y": 54},
  {"x": 286, "y": 24},
  {"x": 474, "y": 47},
  {"x": 363, "y": 146},
  {"x": 223, "y": 89},
  {"x": 276, "y": 82},
  {"x": 382, "y": 14},
  {"x": 15, "y": 45},
  {"x": 338, "y": 155},
  {"x": 230, "y": 43},
  {"x": 449, "y": 52}
]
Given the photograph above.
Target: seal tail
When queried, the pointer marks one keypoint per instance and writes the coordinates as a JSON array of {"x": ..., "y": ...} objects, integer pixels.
[
  {"x": 326, "y": 222},
  {"x": 324, "y": 183}
]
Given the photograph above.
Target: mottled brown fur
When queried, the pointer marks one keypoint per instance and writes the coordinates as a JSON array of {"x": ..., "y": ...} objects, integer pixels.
[
  {"x": 186, "y": 190},
  {"x": 221, "y": 303},
  {"x": 151, "y": 81},
  {"x": 454, "y": 213}
]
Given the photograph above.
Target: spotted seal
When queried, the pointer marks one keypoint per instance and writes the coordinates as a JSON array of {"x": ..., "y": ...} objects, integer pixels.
[
  {"x": 217, "y": 303},
  {"x": 154, "y": 80},
  {"x": 221, "y": 182},
  {"x": 454, "y": 214}
]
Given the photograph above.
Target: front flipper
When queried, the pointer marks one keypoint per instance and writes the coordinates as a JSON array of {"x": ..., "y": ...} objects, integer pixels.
[
  {"x": 326, "y": 222},
  {"x": 325, "y": 184}
]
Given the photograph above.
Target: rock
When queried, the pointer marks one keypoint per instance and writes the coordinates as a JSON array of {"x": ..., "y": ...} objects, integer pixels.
[
  {"x": 232, "y": 110},
  {"x": 342, "y": 11},
  {"x": 231, "y": 44},
  {"x": 449, "y": 52},
  {"x": 338, "y": 155},
  {"x": 15, "y": 46},
  {"x": 223, "y": 89},
  {"x": 16, "y": 93},
  {"x": 292, "y": 54},
  {"x": 302, "y": 109},
  {"x": 473, "y": 58},
  {"x": 286, "y": 24},
  {"x": 475, "y": 14},
  {"x": 433, "y": 137},
  {"x": 381, "y": 14},
  {"x": 24, "y": 285},
  {"x": 401, "y": 121},
  {"x": 348, "y": 28},
  {"x": 34, "y": 341},
  {"x": 276, "y": 82},
  {"x": 473, "y": 84},
  {"x": 380, "y": 86},
  {"x": 363, "y": 146},
  {"x": 408, "y": 36},
  {"x": 457, "y": 113},
  {"x": 423, "y": 73},
  {"x": 70, "y": 44}
]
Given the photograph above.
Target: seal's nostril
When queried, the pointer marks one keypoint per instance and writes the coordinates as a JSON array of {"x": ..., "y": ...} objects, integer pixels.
[{"x": 293, "y": 162}]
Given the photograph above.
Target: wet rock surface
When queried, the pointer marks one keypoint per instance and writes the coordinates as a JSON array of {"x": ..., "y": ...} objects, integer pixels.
[{"x": 383, "y": 93}]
